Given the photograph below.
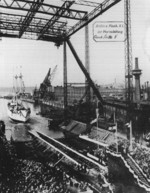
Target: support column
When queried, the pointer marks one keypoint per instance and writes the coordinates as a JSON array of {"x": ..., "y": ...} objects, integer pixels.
[
  {"x": 128, "y": 60},
  {"x": 95, "y": 90},
  {"x": 65, "y": 82},
  {"x": 87, "y": 63}
]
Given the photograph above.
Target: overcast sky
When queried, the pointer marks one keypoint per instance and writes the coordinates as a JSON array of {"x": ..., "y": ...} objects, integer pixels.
[{"x": 106, "y": 58}]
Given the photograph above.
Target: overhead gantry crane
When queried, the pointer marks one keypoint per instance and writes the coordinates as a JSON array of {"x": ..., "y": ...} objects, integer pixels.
[{"x": 44, "y": 20}]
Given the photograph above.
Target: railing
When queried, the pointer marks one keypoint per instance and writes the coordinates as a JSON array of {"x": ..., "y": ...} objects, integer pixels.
[
  {"x": 72, "y": 152},
  {"x": 140, "y": 183},
  {"x": 139, "y": 168},
  {"x": 54, "y": 104},
  {"x": 37, "y": 136}
]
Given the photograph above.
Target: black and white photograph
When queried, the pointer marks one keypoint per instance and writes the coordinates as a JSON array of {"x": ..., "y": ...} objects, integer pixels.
[{"x": 74, "y": 96}]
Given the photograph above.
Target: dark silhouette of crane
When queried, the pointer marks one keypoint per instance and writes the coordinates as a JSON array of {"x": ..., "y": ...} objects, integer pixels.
[{"x": 46, "y": 90}]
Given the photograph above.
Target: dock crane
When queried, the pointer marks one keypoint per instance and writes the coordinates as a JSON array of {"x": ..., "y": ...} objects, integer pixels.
[
  {"x": 46, "y": 85},
  {"x": 128, "y": 61},
  {"x": 52, "y": 75}
]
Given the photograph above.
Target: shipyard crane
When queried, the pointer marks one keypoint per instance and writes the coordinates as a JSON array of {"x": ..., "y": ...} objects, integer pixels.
[
  {"x": 128, "y": 59},
  {"x": 46, "y": 85},
  {"x": 53, "y": 74},
  {"x": 49, "y": 77}
]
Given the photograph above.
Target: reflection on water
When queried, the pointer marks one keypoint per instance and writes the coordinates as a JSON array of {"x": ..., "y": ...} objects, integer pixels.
[{"x": 36, "y": 121}]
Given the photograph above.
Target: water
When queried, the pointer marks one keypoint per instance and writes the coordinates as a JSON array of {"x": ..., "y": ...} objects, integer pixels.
[
  {"x": 36, "y": 122},
  {"x": 28, "y": 171}
]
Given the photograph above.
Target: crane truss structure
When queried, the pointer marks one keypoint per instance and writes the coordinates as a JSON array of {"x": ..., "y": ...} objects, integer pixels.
[
  {"x": 55, "y": 21},
  {"x": 46, "y": 20},
  {"x": 128, "y": 59}
]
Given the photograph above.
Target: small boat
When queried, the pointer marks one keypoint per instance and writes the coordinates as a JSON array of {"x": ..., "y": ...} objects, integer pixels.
[{"x": 17, "y": 112}]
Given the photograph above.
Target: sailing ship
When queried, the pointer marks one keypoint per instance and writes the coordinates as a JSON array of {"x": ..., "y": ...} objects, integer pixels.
[{"x": 16, "y": 110}]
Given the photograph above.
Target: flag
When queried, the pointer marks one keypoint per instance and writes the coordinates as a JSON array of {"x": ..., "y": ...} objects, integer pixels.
[
  {"x": 127, "y": 124},
  {"x": 93, "y": 121}
]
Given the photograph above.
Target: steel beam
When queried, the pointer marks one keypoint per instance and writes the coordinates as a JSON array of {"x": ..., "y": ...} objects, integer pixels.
[
  {"x": 65, "y": 82},
  {"x": 30, "y": 15},
  {"x": 51, "y": 39},
  {"x": 100, "y": 9},
  {"x": 7, "y": 35},
  {"x": 10, "y": 22},
  {"x": 95, "y": 90},
  {"x": 59, "y": 13},
  {"x": 85, "y": 3},
  {"x": 47, "y": 9},
  {"x": 32, "y": 29},
  {"x": 20, "y": 18},
  {"x": 14, "y": 22},
  {"x": 87, "y": 62}
]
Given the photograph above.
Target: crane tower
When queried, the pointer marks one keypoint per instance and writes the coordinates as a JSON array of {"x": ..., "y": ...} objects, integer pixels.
[{"x": 128, "y": 54}]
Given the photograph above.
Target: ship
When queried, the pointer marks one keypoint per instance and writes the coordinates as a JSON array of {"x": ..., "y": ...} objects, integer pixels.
[{"x": 16, "y": 110}]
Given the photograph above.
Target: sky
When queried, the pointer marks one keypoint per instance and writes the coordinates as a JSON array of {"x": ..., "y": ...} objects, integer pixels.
[{"x": 107, "y": 59}]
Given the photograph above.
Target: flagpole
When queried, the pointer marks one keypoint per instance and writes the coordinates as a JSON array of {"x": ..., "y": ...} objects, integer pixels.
[
  {"x": 116, "y": 134},
  {"x": 97, "y": 115},
  {"x": 131, "y": 148}
]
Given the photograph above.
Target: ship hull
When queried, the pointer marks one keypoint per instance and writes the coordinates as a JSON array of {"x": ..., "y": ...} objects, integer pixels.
[{"x": 19, "y": 116}]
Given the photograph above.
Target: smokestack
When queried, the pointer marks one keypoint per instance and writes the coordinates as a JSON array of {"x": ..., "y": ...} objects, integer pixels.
[
  {"x": 137, "y": 72},
  {"x": 136, "y": 63}
]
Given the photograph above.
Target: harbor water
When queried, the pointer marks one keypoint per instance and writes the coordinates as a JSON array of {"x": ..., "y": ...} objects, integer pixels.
[{"x": 36, "y": 121}]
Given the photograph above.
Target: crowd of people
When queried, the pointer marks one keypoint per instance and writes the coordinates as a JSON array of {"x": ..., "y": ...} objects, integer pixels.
[
  {"x": 142, "y": 157},
  {"x": 23, "y": 175},
  {"x": 140, "y": 154},
  {"x": 2, "y": 128},
  {"x": 31, "y": 176}
]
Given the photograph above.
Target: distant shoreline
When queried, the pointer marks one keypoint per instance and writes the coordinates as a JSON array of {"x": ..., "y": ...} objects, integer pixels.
[{"x": 9, "y": 89}]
